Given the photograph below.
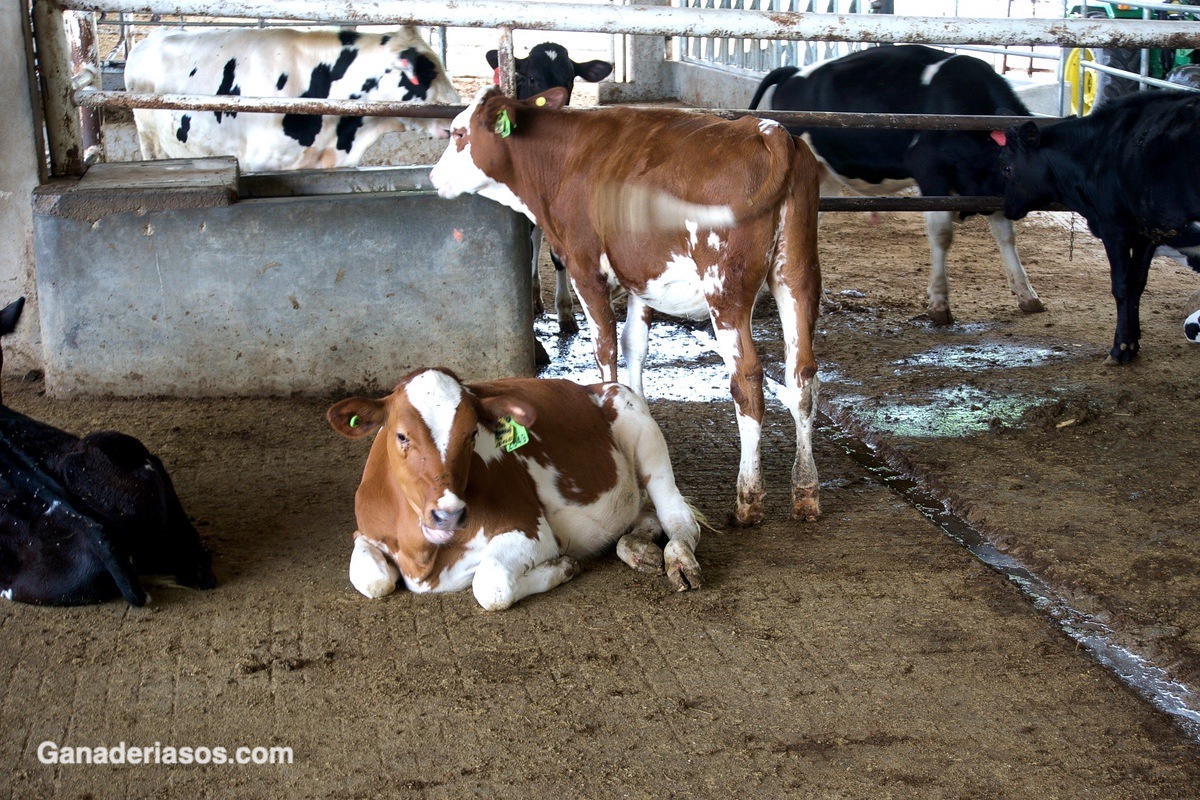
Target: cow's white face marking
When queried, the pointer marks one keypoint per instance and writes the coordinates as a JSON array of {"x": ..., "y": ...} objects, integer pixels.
[
  {"x": 679, "y": 290},
  {"x": 436, "y": 396},
  {"x": 552, "y": 55},
  {"x": 930, "y": 71},
  {"x": 6, "y": 594},
  {"x": 449, "y": 501}
]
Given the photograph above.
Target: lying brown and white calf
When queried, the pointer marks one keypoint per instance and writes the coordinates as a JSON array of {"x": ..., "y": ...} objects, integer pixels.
[{"x": 504, "y": 485}]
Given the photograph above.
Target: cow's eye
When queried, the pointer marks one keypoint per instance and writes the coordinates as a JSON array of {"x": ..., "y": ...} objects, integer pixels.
[
  {"x": 457, "y": 134},
  {"x": 402, "y": 439}
]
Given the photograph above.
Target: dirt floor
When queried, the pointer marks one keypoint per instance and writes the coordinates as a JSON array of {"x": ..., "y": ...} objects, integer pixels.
[{"x": 866, "y": 655}]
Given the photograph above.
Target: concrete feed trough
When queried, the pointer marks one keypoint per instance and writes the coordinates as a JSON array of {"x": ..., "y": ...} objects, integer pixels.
[{"x": 180, "y": 278}]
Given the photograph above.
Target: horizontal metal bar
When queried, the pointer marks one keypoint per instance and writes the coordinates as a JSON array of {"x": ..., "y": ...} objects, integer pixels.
[
  {"x": 671, "y": 21},
  {"x": 1133, "y": 76},
  {"x": 92, "y": 98},
  {"x": 974, "y": 205}
]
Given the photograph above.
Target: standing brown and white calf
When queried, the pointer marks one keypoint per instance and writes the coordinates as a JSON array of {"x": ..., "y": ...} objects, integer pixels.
[
  {"x": 690, "y": 214},
  {"x": 447, "y": 502}
]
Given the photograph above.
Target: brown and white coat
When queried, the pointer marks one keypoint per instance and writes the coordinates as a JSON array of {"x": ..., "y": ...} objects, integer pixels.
[
  {"x": 444, "y": 507},
  {"x": 689, "y": 214}
]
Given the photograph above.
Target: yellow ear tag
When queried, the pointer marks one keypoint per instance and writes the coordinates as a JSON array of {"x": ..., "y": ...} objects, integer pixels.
[
  {"x": 504, "y": 124},
  {"x": 541, "y": 101},
  {"x": 511, "y": 434}
]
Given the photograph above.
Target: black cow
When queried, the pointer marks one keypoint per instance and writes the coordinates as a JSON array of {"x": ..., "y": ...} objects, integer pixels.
[
  {"x": 910, "y": 79},
  {"x": 548, "y": 65},
  {"x": 1131, "y": 170},
  {"x": 80, "y": 519}
]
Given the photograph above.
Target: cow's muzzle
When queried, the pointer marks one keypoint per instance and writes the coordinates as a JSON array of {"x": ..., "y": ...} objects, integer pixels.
[{"x": 440, "y": 525}]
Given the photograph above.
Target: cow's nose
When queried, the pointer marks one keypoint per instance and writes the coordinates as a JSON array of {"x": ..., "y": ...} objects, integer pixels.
[{"x": 447, "y": 520}]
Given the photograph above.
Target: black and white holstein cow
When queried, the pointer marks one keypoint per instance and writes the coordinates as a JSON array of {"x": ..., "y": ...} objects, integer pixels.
[
  {"x": 282, "y": 62},
  {"x": 689, "y": 214},
  {"x": 503, "y": 486},
  {"x": 548, "y": 65},
  {"x": 81, "y": 519},
  {"x": 910, "y": 79},
  {"x": 1131, "y": 170}
]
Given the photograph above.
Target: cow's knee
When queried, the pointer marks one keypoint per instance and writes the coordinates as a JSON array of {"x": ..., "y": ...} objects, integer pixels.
[{"x": 371, "y": 572}]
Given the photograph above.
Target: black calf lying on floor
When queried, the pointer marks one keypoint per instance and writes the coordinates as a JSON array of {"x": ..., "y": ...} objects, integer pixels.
[{"x": 80, "y": 519}]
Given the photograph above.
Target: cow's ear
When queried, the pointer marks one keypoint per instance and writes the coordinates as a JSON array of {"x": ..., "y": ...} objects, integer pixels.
[
  {"x": 10, "y": 314},
  {"x": 592, "y": 70},
  {"x": 555, "y": 97},
  {"x": 493, "y": 59},
  {"x": 1030, "y": 135},
  {"x": 494, "y": 409},
  {"x": 356, "y": 417}
]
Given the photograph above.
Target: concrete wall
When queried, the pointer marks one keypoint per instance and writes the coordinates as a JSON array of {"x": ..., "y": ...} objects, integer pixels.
[
  {"x": 18, "y": 177},
  {"x": 156, "y": 281}
]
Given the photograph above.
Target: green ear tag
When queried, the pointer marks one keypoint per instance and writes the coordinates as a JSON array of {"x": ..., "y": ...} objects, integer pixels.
[
  {"x": 511, "y": 435},
  {"x": 504, "y": 124},
  {"x": 353, "y": 423}
]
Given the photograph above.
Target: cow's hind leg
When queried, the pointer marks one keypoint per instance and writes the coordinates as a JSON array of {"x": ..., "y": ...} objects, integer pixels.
[
  {"x": 1018, "y": 281},
  {"x": 736, "y": 347},
  {"x": 515, "y": 566},
  {"x": 795, "y": 281},
  {"x": 640, "y": 437}
]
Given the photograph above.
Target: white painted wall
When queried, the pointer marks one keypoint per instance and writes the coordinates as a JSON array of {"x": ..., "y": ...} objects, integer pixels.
[{"x": 18, "y": 177}]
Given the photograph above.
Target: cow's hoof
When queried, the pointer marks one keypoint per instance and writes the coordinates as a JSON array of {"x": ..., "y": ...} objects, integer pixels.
[
  {"x": 567, "y": 326},
  {"x": 640, "y": 554},
  {"x": 747, "y": 516},
  {"x": 1121, "y": 354},
  {"x": 1031, "y": 306},
  {"x": 806, "y": 504},
  {"x": 940, "y": 316},
  {"x": 683, "y": 570},
  {"x": 540, "y": 357}
]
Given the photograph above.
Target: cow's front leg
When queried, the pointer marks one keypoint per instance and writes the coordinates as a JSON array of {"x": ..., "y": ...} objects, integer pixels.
[
  {"x": 594, "y": 288},
  {"x": 1018, "y": 282},
  {"x": 635, "y": 340},
  {"x": 1130, "y": 266},
  {"x": 746, "y": 385},
  {"x": 939, "y": 228},
  {"x": 563, "y": 306},
  {"x": 515, "y": 566},
  {"x": 371, "y": 571}
]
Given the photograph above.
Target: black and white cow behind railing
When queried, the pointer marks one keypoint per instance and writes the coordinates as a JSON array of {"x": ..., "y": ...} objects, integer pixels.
[
  {"x": 81, "y": 519},
  {"x": 909, "y": 79},
  {"x": 282, "y": 62},
  {"x": 1131, "y": 170},
  {"x": 549, "y": 65}
]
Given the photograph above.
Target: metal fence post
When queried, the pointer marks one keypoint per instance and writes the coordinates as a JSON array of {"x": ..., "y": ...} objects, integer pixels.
[{"x": 63, "y": 130}]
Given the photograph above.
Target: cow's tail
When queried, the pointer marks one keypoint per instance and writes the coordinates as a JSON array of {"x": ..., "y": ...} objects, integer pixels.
[
  {"x": 120, "y": 568},
  {"x": 629, "y": 207},
  {"x": 774, "y": 78}
]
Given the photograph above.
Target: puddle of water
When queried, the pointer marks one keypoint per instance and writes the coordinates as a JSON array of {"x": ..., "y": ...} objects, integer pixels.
[
  {"x": 982, "y": 356},
  {"x": 682, "y": 363},
  {"x": 1146, "y": 678},
  {"x": 955, "y": 411}
]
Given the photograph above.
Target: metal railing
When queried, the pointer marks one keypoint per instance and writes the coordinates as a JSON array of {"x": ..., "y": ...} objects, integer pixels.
[{"x": 62, "y": 99}]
